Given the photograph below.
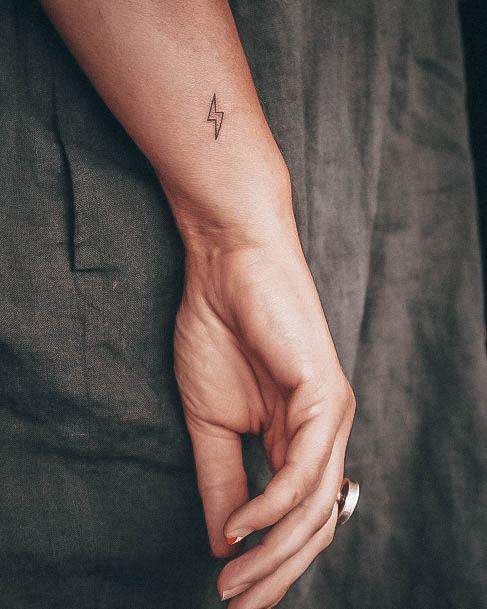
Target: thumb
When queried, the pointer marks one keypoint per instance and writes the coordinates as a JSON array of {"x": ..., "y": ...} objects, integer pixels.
[{"x": 222, "y": 481}]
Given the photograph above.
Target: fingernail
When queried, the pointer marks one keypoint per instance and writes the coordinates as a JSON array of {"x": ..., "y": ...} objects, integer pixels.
[
  {"x": 226, "y": 594},
  {"x": 237, "y": 536}
]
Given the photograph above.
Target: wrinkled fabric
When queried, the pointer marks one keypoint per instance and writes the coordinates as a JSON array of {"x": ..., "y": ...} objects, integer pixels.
[{"x": 99, "y": 507}]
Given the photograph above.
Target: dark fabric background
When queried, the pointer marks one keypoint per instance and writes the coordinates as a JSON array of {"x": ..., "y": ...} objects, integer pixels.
[
  {"x": 99, "y": 507},
  {"x": 474, "y": 24}
]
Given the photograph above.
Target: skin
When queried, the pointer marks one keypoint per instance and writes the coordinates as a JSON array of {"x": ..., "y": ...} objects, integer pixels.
[{"x": 253, "y": 352}]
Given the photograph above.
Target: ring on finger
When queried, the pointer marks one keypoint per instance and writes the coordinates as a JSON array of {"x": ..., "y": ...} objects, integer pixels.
[{"x": 347, "y": 500}]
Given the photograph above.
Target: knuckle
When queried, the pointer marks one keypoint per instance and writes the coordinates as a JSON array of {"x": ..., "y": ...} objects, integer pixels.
[
  {"x": 340, "y": 392},
  {"x": 345, "y": 389},
  {"x": 352, "y": 400},
  {"x": 327, "y": 539},
  {"x": 309, "y": 481},
  {"x": 296, "y": 492},
  {"x": 301, "y": 489},
  {"x": 312, "y": 517},
  {"x": 281, "y": 508},
  {"x": 265, "y": 553},
  {"x": 279, "y": 500},
  {"x": 281, "y": 591},
  {"x": 312, "y": 510},
  {"x": 347, "y": 396},
  {"x": 327, "y": 513}
]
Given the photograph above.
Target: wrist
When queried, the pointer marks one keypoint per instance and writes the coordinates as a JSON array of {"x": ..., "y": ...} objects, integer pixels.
[
  {"x": 240, "y": 207},
  {"x": 216, "y": 270}
]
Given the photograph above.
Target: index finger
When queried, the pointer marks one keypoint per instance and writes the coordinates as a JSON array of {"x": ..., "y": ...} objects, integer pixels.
[{"x": 307, "y": 456}]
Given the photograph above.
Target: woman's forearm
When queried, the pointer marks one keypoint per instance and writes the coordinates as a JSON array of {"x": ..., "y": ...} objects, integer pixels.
[{"x": 168, "y": 70}]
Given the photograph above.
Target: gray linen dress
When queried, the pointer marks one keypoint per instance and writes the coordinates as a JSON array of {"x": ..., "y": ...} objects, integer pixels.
[{"x": 98, "y": 505}]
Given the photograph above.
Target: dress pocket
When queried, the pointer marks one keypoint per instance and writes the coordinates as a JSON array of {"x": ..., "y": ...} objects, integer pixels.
[{"x": 83, "y": 221}]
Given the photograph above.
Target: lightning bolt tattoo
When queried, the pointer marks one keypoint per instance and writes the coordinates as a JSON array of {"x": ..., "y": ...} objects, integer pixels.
[{"x": 214, "y": 116}]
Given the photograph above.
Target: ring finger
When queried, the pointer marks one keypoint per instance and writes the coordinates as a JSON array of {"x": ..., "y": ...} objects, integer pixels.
[
  {"x": 290, "y": 534},
  {"x": 269, "y": 591}
]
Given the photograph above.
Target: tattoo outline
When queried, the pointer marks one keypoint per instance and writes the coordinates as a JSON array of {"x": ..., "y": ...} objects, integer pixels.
[{"x": 215, "y": 117}]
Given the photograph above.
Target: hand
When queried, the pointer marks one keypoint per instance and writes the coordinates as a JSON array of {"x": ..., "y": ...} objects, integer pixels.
[{"x": 253, "y": 354}]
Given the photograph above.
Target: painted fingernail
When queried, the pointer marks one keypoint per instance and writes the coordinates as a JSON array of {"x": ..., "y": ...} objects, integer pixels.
[
  {"x": 226, "y": 594},
  {"x": 237, "y": 536}
]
